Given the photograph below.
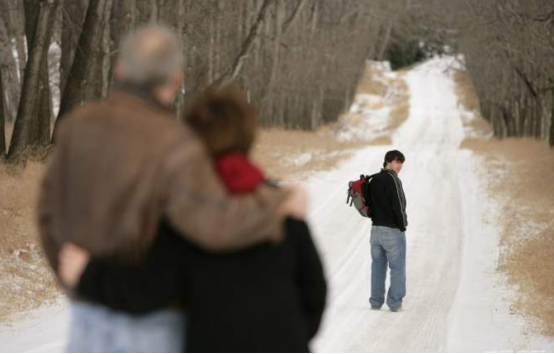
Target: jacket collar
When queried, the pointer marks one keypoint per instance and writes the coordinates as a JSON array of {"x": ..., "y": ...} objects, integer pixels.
[{"x": 390, "y": 171}]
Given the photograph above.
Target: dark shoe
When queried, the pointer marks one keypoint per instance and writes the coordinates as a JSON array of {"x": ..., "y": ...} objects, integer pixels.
[
  {"x": 373, "y": 306},
  {"x": 398, "y": 309}
]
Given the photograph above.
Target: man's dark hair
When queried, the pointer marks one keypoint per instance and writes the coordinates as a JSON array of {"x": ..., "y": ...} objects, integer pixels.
[{"x": 393, "y": 155}]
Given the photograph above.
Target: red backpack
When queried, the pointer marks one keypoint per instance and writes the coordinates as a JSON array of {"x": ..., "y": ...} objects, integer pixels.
[{"x": 358, "y": 194}]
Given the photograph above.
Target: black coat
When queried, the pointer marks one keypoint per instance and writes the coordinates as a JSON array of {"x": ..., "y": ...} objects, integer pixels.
[
  {"x": 268, "y": 298},
  {"x": 388, "y": 202}
]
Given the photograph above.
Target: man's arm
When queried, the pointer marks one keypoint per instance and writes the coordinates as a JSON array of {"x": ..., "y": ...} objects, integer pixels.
[
  {"x": 199, "y": 207},
  {"x": 151, "y": 285},
  {"x": 394, "y": 200}
]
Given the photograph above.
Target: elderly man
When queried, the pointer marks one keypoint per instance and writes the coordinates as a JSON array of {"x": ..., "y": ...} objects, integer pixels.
[{"x": 121, "y": 165}]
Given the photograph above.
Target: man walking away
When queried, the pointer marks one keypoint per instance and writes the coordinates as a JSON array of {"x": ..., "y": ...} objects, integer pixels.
[{"x": 388, "y": 238}]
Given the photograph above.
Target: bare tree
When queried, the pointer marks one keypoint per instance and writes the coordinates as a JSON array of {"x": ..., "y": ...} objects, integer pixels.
[
  {"x": 2, "y": 120},
  {"x": 13, "y": 14},
  {"x": 39, "y": 126},
  {"x": 232, "y": 73},
  {"x": 509, "y": 50},
  {"x": 123, "y": 20},
  {"x": 73, "y": 16},
  {"x": 85, "y": 78},
  {"x": 298, "y": 60},
  {"x": 12, "y": 74},
  {"x": 30, "y": 97}
]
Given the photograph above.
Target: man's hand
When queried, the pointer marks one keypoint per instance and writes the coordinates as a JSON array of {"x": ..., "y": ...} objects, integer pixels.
[{"x": 72, "y": 263}]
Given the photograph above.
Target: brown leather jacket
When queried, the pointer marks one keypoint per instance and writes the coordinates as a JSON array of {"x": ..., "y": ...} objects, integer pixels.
[{"x": 121, "y": 164}]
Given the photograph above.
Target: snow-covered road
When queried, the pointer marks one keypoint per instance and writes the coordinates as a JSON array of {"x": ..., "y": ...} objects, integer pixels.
[{"x": 456, "y": 300}]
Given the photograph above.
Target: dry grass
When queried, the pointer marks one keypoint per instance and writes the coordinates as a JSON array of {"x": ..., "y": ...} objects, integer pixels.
[
  {"x": 520, "y": 176},
  {"x": 370, "y": 86},
  {"x": 468, "y": 100},
  {"x": 520, "y": 172},
  {"x": 25, "y": 278},
  {"x": 400, "y": 103},
  {"x": 289, "y": 154},
  {"x": 465, "y": 91},
  {"x": 379, "y": 91},
  {"x": 399, "y": 114},
  {"x": 286, "y": 154}
]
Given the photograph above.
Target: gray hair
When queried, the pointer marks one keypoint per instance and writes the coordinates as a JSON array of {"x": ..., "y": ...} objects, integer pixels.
[{"x": 150, "y": 56}]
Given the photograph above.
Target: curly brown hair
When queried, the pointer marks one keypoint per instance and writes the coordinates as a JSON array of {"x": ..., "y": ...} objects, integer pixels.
[{"x": 224, "y": 119}]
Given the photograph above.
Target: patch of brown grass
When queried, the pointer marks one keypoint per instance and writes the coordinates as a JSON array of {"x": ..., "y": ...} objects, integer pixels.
[
  {"x": 382, "y": 140},
  {"x": 468, "y": 100},
  {"x": 26, "y": 281},
  {"x": 521, "y": 175},
  {"x": 368, "y": 85},
  {"x": 480, "y": 126},
  {"x": 399, "y": 114},
  {"x": 371, "y": 87},
  {"x": 277, "y": 149},
  {"x": 400, "y": 103},
  {"x": 465, "y": 91},
  {"x": 395, "y": 96}
]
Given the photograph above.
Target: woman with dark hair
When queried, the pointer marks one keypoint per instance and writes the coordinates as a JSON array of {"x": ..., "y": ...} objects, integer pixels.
[{"x": 266, "y": 298}]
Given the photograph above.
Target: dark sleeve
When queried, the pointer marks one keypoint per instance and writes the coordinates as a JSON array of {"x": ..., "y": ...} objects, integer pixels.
[
  {"x": 150, "y": 286},
  {"x": 394, "y": 200},
  {"x": 310, "y": 277}
]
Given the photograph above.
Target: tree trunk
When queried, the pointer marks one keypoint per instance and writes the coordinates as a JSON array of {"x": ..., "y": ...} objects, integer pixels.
[
  {"x": 73, "y": 16},
  {"x": 2, "y": 120},
  {"x": 30, "y": 96},
  {"x": 85, "y": 78},
  {"x": 8, "y": 63},
  {"x": 105, "y": 62},
  {"x": 13, "y": 13},
  {"x": 236, "y": 67},
  {"x": 122, "y": 21},
  {"x": 551, "y": 139},
  {"x": 39, "y": 126},
  {"x": 144, "y": 11}
]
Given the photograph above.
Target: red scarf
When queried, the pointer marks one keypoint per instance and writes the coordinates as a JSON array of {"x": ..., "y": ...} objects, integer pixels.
[{"x": 239, "y": 175}]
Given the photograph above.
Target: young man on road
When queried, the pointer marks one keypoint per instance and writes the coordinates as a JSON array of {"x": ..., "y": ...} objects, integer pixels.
[{"x": 388, "y": 238}]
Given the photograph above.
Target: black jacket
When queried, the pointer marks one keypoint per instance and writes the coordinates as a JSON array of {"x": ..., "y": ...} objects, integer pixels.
[
  {"x": 268, "y": 298},
  {"x": 388, "y": 202}
]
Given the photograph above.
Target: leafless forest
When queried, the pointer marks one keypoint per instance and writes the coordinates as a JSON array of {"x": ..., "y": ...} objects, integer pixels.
[{"x": 299, "y": 60}]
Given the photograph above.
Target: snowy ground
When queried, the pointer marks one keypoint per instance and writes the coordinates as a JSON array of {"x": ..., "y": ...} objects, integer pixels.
[{"x": 456, "y": 299}]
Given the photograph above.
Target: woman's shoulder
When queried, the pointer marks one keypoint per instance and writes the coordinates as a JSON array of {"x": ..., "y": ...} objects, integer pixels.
[
  {"x": 297, "y": 231},
  {"x": 295, "y": 225}
]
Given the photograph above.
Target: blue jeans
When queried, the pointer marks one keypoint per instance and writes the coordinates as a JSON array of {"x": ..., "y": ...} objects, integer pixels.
[
  {"x": 96, "y": 329},
  {"x": 388, "y": 248}
]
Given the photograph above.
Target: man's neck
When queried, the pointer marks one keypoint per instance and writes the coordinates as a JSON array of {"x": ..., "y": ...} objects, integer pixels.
[{"x": 143, "y": 93}]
